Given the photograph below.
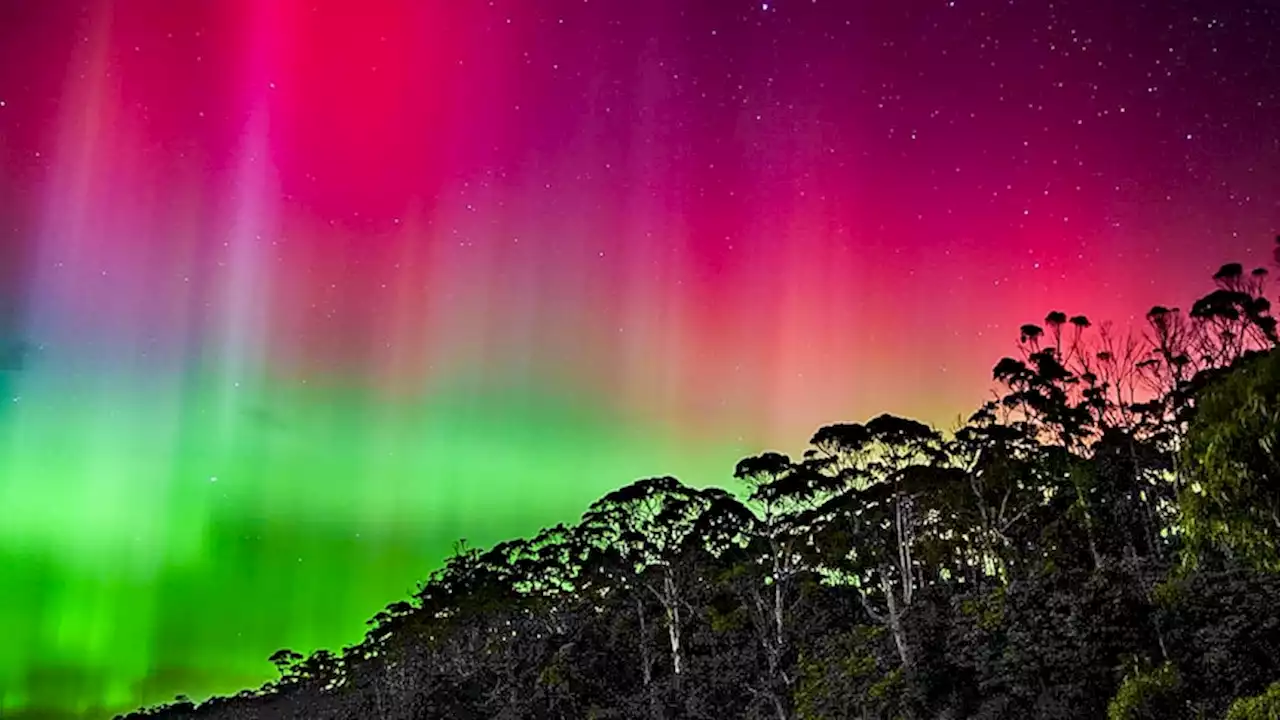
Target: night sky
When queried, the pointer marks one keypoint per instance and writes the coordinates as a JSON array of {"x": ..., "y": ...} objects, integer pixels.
[{"x": 293, "y": 294}]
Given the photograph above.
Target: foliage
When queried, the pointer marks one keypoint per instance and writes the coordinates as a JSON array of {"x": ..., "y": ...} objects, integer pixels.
[
  {"x": 1233, "y": 456},
  {"x": 1260, "y": 707},
  {"x": 1147, "y": 695}
]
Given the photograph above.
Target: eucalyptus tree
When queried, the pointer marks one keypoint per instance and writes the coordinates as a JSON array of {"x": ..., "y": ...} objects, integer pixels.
[
  {"x": 873, "y": 514},
  {"x": 637, "y": 536},
  {"x": 778, "y": 490},
  {"x": 1005, "y": 495},
  {"x": 1236, "y": 316},
  {"x": 1052, "y": 387}
]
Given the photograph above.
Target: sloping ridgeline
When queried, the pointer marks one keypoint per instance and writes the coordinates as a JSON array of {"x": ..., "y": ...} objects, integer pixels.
[{"x": 1101, "y": 541}]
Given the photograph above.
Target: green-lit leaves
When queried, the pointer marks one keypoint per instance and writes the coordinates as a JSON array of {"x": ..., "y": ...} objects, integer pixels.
[
  {"x": 1265, "y": 706},
  {"x": 1234, "y": 501}
]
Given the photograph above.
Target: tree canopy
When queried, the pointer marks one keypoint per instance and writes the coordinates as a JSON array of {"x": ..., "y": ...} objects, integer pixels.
[{"x": 1101, "y": 539}]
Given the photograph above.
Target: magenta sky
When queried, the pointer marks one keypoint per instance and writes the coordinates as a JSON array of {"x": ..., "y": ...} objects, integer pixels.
[{"x": 736, "y": 213}]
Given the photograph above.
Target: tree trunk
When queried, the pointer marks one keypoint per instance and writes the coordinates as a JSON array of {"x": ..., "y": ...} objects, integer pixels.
[
  {"x": 646, "y": 665},
  {"x": 894, "y": 618},
  {"x": 671, "y": 599},
  {"x": 778, "y": 707},
  {"x": 777, "y": 612},
  {"x": 1089, "y": 533}
]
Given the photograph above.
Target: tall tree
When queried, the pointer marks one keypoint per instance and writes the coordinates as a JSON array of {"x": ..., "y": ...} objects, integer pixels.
[
  {"x": 642, "y": 531},
  {"x": 867, "y": 530},
  {"x": 778, "y": 490},
  {"x": 998, "y": 461}
]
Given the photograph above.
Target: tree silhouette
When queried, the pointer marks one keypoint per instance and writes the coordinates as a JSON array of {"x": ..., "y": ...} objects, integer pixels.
[
  {"x": 1100, "y": 539},
  {"x": 285, "y": 660},
  {"x": 648, "y": 527}
]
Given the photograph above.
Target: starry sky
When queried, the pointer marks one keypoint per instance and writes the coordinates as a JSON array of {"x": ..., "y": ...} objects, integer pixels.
[{"x": 294, "y": 294}]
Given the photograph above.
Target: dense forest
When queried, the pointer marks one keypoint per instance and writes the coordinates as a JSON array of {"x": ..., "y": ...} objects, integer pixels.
[{"x": 1100, "y": 540}]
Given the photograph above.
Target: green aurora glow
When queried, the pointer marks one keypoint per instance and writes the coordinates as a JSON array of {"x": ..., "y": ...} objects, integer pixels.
[{"x": 158, "y": 551}]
